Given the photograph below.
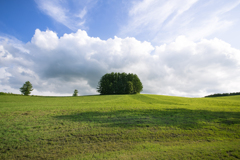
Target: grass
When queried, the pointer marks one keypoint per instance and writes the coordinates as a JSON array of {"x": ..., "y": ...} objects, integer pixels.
[{"x": 119, "y": 127}]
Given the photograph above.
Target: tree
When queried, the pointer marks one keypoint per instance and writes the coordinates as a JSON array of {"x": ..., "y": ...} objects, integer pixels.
[
  {"x": 26, "y": 88},
  {"x": 119, "y": 83},
  {"x": 75, "y": 93},
  {"x": 129, "y": 87}
]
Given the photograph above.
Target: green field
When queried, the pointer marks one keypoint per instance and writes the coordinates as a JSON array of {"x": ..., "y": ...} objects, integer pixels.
[{"x": 119, "y": 127}]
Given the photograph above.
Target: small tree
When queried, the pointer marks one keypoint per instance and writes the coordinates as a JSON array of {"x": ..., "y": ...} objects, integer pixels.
[
  {"x": 26, "y": 88},
  {"x": 75, "y": 93}
]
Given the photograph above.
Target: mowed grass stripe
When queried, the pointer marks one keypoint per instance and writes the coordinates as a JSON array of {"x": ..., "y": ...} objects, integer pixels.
[{"x": 115, "y": 126}]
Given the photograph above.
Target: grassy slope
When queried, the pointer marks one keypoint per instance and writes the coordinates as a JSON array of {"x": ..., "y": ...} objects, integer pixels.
[{"x": 119, "y": 127}]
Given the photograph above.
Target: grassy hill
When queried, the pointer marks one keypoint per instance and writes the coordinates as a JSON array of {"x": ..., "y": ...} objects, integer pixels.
[{"x": 119, "y": 127}]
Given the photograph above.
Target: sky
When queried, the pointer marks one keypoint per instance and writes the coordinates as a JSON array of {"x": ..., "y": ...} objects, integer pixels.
[{"x": 186, "y": 48}]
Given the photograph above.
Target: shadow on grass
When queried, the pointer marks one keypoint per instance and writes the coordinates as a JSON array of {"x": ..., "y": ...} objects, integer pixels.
[{"x": 182, "y": 118}]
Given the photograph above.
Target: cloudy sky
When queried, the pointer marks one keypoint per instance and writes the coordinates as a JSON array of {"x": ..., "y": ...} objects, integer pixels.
[{"x": 183, "y": 48}]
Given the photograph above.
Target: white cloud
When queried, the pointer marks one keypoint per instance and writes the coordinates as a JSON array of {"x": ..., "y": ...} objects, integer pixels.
[
  {"x": 3, "y": 73},
  {"x": 12, "y": 53},
  {"x": 164, "y": 20},
  {"x": 209, "y": 66},
  {"x": 61, "y": 12},
  {"x": 77, "y": 61},
  {"x": 45, "y": 40},
  {"x": 82, "y": 13}
]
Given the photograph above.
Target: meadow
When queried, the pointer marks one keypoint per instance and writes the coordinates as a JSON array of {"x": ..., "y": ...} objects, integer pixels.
[{"x": 137, "y": 126}]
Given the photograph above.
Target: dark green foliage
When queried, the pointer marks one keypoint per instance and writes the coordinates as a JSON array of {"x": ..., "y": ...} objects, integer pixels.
[
  {"x": 129, "y": 87},
  {"x": 75, "y": 93},
  {"x": 26, "y": 88},
  {"x": 119, "y": 83},
  {"x": 223, "y": 94}
]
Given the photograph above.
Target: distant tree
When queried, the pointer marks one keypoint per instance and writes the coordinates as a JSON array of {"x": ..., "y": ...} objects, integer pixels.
[
  {"x": 75, "y": 93},
  {"x": 119, "y": 83},
  {"x": 26, "y": 88},
  {"x": 223, "y": 94}
]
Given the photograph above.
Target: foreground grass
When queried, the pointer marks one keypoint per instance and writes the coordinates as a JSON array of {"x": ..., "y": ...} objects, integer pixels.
[{"x": 119, "y": 127}]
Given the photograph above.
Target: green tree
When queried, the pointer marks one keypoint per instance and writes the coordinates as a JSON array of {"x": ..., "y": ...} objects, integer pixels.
[
  {"x": 119, "y": 83},
  {"x": 129, "y": 87},
  {"x": 26, "y": 88},
  {"x": 75, "y": 93},
  {"x": 137, "y": 84}
]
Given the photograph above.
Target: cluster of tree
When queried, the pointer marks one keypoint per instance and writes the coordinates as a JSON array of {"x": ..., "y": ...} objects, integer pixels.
[
  {"x": 119, "y": 83},
  {"x": 223, "y": 94}
]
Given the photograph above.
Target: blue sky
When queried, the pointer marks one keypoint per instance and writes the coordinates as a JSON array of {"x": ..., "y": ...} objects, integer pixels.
[
  {"x": 21, "y": 18},
  {"x": 184, "y": 48}
]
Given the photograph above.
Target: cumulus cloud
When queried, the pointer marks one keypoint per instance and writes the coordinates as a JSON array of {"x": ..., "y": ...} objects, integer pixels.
[
  {"x": 208, "y": 66},
  {"x": 45, "y": 40},
  {"x": 164, "y": 20},
  {"x": 58, "y": 65}
]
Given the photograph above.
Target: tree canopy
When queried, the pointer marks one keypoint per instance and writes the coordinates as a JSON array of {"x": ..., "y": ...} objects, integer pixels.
[
  {"x": 26, "y": 88},
  {"x": 119, "y": 83}
]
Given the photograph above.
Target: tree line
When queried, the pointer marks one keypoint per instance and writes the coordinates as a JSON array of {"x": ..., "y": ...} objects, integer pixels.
[
  {"x": 223, "y": 94},
  {"x": 119, "y": 83}
]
